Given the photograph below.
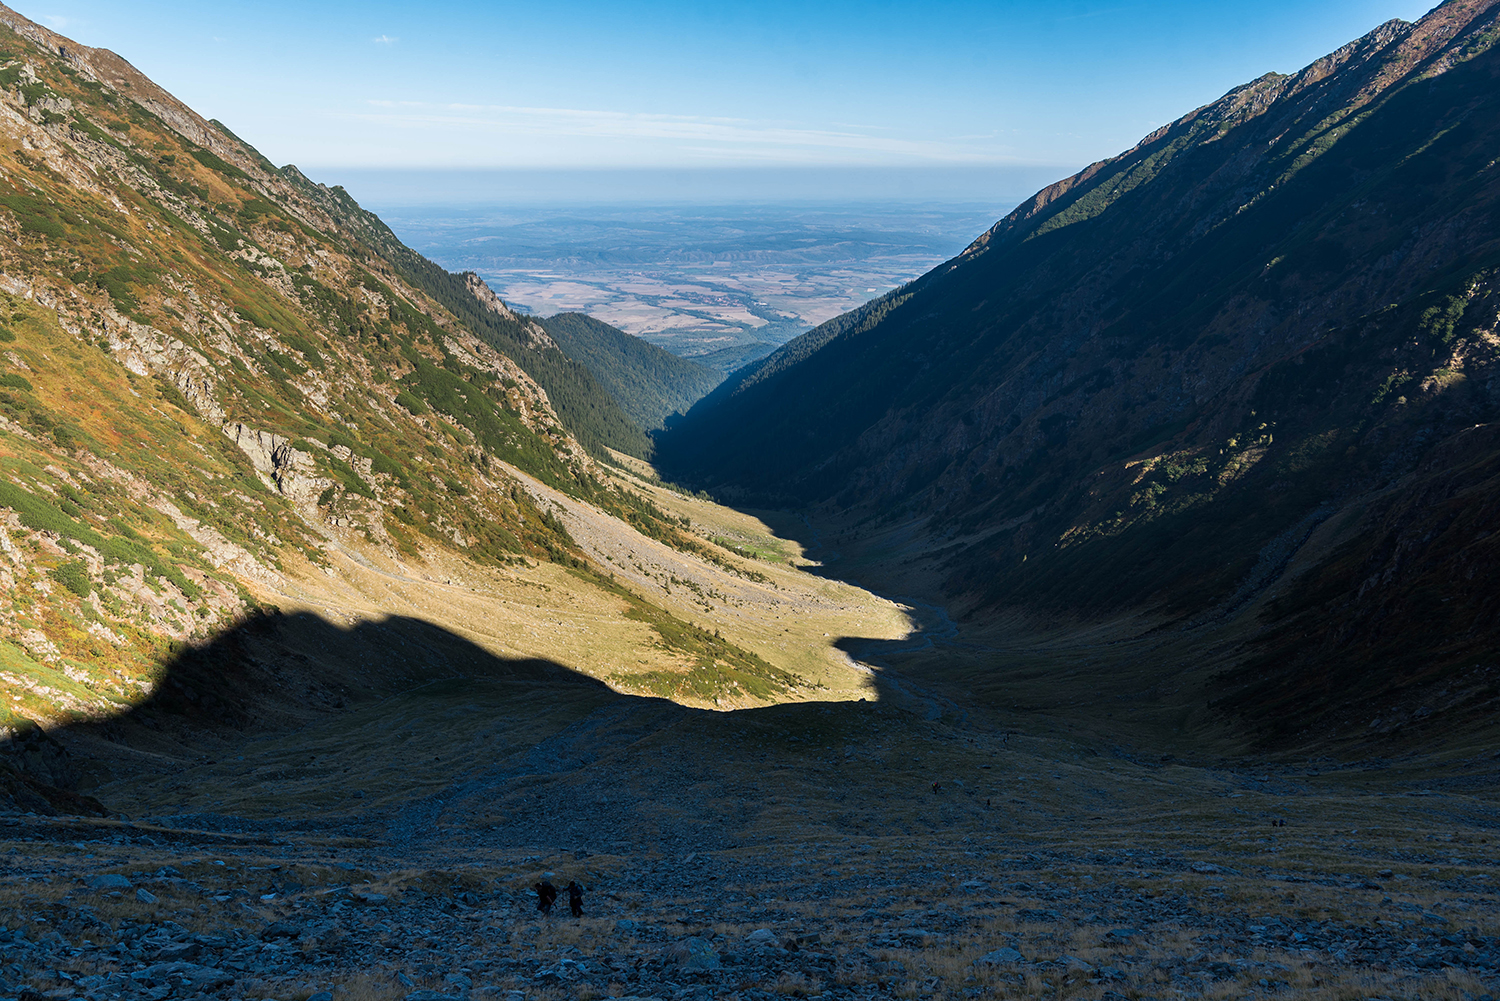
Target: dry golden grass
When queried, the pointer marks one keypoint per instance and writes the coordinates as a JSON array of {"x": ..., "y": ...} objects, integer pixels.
[
  {"x": 367, "y": 986},
  {"x": 792, "y": 618}
]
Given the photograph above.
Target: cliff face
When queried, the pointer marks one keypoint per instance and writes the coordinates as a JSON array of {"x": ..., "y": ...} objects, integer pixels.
[{"x": 1150, "y": 383}]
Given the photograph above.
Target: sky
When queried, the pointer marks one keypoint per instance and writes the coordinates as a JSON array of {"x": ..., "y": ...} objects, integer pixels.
[{"x": 810, "y": 89}]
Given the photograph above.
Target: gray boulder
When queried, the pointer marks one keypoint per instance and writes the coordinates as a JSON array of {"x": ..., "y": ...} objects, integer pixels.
[
  {"x": 110, "y": 881},
  {"x": 178, "y": 951},
  {"x": 190, "y": 976},
  {"x": 693, "y": 955}
]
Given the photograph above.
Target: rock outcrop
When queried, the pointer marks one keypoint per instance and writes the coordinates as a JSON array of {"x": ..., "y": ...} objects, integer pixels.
[
  {"x": 538, "y": 338},
  {"x": 290, "y": 471}
]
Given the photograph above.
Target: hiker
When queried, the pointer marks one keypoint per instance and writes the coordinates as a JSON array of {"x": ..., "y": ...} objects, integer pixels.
[
  {"x": 575, "y": 899},
  {"x": 546, "y": 896}
]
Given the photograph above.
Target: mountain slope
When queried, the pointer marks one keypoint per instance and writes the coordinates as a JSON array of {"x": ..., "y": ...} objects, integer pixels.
[
  {"x": 215, "y": 394},
  {"x": 1149, "y": 384},
  {"x": 650, "y": 383},
  {"x": 586, "y": 409}
]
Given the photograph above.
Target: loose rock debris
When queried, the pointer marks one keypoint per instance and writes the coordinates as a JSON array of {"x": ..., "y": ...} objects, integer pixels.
[{"x": 96, "y": 917}]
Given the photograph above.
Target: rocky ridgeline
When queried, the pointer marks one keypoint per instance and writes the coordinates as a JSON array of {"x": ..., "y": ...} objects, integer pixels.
[{"x": 99, "y": 913}]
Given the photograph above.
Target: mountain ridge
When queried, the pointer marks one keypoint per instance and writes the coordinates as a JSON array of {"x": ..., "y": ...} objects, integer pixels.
[
  {"x": 650, "y": 383},
  {"x": 590, "y": 413},
  {"x": 1131, "y": 391}
]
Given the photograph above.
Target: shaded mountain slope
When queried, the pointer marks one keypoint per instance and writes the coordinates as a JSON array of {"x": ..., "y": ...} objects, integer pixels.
[
  {"x": 650, "y": 383},
  {"x": 1410, "y": 588},
  {"x": 1151, "y": 382}
]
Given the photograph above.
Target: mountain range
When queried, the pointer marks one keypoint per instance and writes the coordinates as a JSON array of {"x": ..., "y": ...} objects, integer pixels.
[
  {"x": 1118, "y": 617},
  {"x": 1235, "y": 386}
]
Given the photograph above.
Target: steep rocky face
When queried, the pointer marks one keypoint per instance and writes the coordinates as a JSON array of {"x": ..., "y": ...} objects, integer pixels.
[
  {"x": 537, "y": 337},
  {"x": 1151, "y": 383},
  {"x": 1393, "y": 634}
]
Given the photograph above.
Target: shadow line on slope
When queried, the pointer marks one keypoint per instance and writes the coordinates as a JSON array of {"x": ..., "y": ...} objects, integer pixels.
[
  {"x": 342, "y": 690},
  {"x": 268, "y": 673}
]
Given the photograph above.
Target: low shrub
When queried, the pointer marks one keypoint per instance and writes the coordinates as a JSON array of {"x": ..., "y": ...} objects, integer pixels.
[{"x": 74, "y": 576}]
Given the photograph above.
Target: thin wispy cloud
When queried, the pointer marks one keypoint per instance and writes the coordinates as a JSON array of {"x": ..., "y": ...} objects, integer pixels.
[
  {"x": 385, "y": 40},
  {"x": 707, "y": 137},
  {"x": 56, "y": 22},
  {"x": 1101, "y": 12}
]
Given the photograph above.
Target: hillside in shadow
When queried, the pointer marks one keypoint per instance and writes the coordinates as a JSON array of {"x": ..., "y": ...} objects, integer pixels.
[
  {"x": 1263, "y": 338},
  {"x": 269, "y": 673},
  {"x": 348, "y": 690}
]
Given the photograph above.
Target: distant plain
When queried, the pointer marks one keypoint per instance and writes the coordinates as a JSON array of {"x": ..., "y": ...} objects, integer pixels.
[{"x": 721, "y": 284}]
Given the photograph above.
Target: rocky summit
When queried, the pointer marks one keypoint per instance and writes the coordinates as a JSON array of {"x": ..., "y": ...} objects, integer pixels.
[{"x": 1109, "y": 613}]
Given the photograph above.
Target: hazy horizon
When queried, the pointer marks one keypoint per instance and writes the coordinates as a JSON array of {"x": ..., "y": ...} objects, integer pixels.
[
  {"x": 723, "y": 283},
  {"x": 960, "y": 85},
  {"x": 379, "y": 189}
]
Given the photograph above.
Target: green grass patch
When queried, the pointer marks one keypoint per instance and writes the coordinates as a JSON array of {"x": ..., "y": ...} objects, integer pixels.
[
  {"x": 118, "y": 282},
  {"x": 411, "y": 403},
  {"x": 720, "y": 669},
  {"x": 39, "y": 217},
  {"x": 213, "y": 162},
  {"x": 500, "y": 433}
]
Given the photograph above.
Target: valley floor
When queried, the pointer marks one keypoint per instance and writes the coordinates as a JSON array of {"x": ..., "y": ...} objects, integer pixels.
[
  {"x": 389, "y": 853},
  {"x": 764, "y": 603}
]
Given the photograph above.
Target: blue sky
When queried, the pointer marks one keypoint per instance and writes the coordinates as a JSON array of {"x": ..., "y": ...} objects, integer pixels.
[{"x": 927, "y": 85}]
